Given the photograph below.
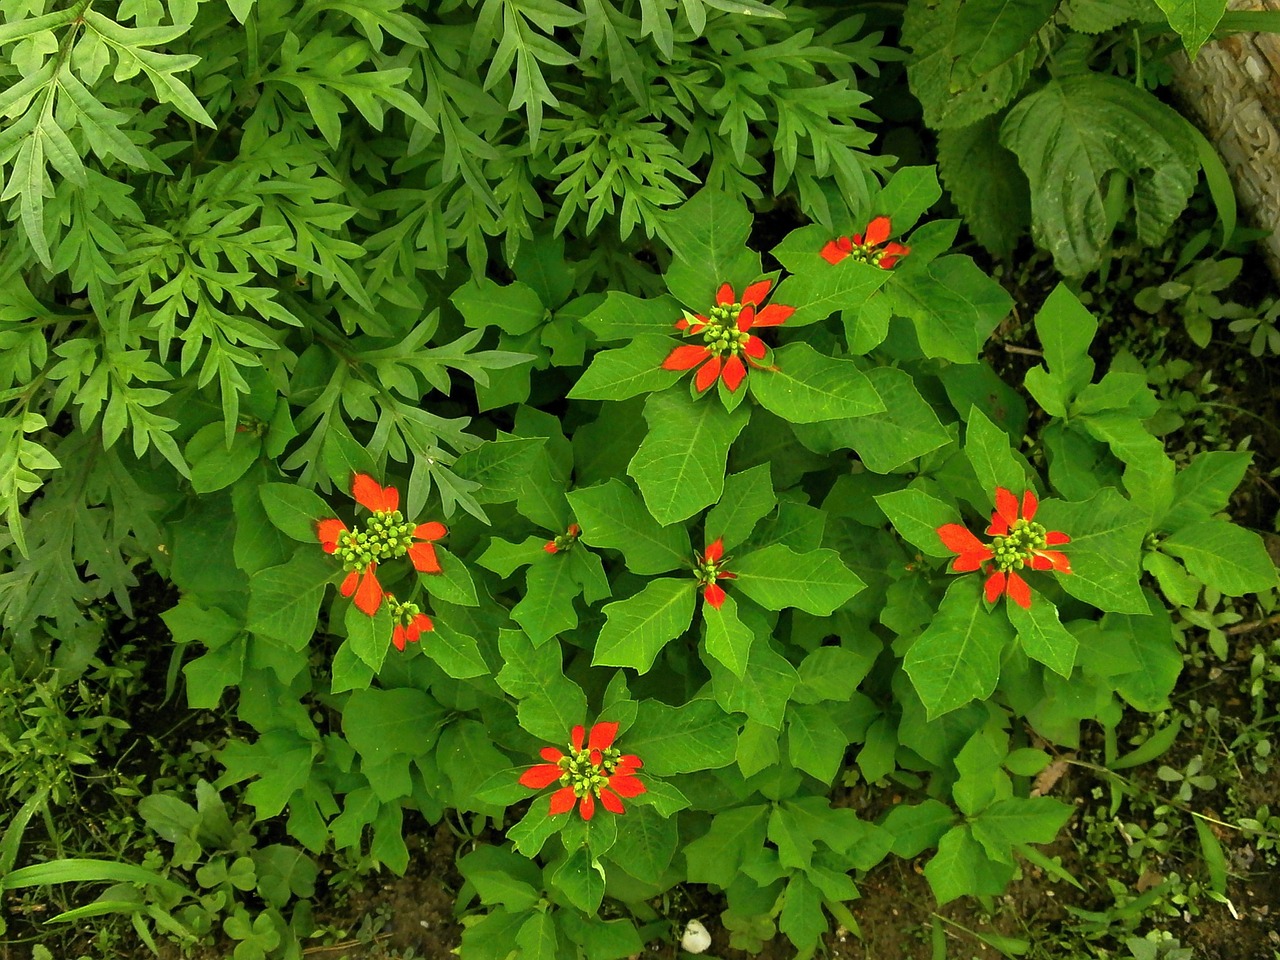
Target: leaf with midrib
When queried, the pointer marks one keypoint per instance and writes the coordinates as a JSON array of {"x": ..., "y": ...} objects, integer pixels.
[
  {"x": 680, "y": 465},
  {"x": 612, "y": 516},
  {"x": 957, "y": 658},
  {"x": 627, "y": 372},
  {"x": 637, "y": 628},
  {"x": 776, "y": 576},
  {"x": 808, "y": 387}
]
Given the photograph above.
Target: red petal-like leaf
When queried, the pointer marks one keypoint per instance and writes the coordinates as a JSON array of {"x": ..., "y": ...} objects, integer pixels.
[
  {"x": 746, "y": 318},
  {"x": 715, "y": 551},
  {"x": 1006, "y": 506},
  {"x": 550, "y": 547},
  {"x": 587, "y": 806},
  {"x": 369, "y": 593},
  {"x": 685, "y": 357},
  {"x": 707, "y": 374},
  {"x": 968, "y": 562},
  {"x": 1053, "y": 558},
  {"x": 349, "y": 583},
  {"x": 423, "y": 556},
  {"x": 629, "y": 761},
  {"x": 756, "y": 293},
  {"x": 773, "y": 315},
  {"x": 373, "y": 496},
  {"x": 878, "y": 231},
  {"x": 958, "y": 538},
  {"x": 836, "y": 250},
  {"x": 551, "y": 754},
  {"x": 399, "y": 636},
  {"x": 725, "y": 295},
  {"x": 430, "y": 531},
  {"x": 543, "y": 775},
  {"x": 1019, "y": 592},
  {"x": 562, "y": 801},
  {"x": 1056, "y": 538},
  {"x": 576, "y": 736},
  {"x": 995, "y": 586},
  {"x": 754, "y": 348},
  {"x": 734, "y": 372},
  {"x": 1029, "y": 505},
  {"x": 610, "y": 801},
  {"x": 626, "y": 784},
  {"x": 602, "y": 735},
  {"x": 420, "y": 624},
  {"x": 714, "y": 594},
  {"x": 328, "y": 531}
]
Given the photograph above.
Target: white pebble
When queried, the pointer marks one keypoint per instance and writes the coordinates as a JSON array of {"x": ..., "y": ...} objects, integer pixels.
[{"x": 695, "y": 939}]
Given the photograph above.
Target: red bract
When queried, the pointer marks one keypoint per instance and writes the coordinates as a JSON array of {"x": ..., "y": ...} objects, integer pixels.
[
  {"x": 410, "y": 622},
  {"x": 708, "y": 568},
  {"x": 1019, "y": 543},
  {"x": 590, "y": 771},
  {"x": 727, "y": 340},
  {"x": 386, "y": 535},
  {"x": 867, "y": 248},
  {"x": 564, "y": 541}
]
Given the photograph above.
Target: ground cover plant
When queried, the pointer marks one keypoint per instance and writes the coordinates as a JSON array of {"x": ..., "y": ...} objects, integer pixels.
[{"x": 559, "y": 423}]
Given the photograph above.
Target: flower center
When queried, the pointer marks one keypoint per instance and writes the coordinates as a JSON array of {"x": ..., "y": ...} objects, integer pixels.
[
  {"x": 578, "y": 770},
  {"x": 403, "y": 612},
  {"x": 706, "y": 571},
  {"x": 721, "y": 334},
  {"x": 867, "y": 253},
  {"x": 386, "y": 535},
  {"x": 1016, "y": 548}
]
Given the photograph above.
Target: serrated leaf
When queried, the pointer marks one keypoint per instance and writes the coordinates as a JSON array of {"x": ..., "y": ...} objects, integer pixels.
[
  {"x": 637, "y": 628},
  {"x": 986, "y": 183},
  {"x": 1077, "y": 133},
  {"x": 808, "y": 387}
]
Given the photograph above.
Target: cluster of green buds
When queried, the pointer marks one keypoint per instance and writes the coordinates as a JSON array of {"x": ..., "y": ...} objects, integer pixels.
[
  {"x": 1015, "y": 549},
  {"x": 707, "y": 569},
  {"x": 386, "y": 536},
  {"x": 564, "y": 540},
  {"x": 581, "y": 772},
  {"x": 403, "y": 612},
  {"x": 721, "y": 334}
]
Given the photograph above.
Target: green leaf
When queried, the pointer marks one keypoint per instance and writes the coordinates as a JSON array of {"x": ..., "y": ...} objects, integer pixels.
[
  {"x": 622, "y": 316},
  {"x": 453, "y": 583},
  {"x": 515, "y": 309},
  {"x": 987, "y": 448},
  {"x": 909, "y": 193},
  {"x": 1066, "y": 329},
  {"x": 961, "y": 868},
  {"x": 581, "y": 879},
  {"x": 1150, "y": 642},
  {"x": 763, "y": 690},
  {"x": 728, "y": 638},
  {"x": 1224, "y": 556},
  {"x": 537, "y": 937},
  {"x": 1204, "y": 487},
  {"x": 1179, "y": 587},
  {"x": 383, "y": 723},
  {"x": 455, "y": 653},
  {"x": 685, "y": 739},
  {"x": 1016, "y": 820},
  {"x": 546, "y": 609},
  {"x": 962, "y": 67},
  {"x": 707, "y": 235},
  {"x": 284, "y": 601},
  {"x": 917, "y": 516},
  {"x": 917, "y": 827},
  {"x": 294, "y": 510},
  {"x": 1043, "y": 636},
  {"x": 1195, "y": 21},
  {"x": 214, "y": 465},
  {"x": 612, "y": 516},
  {"x": 680, "y": 465},
  {"x": 776, "y": 576},
  {"x": 986, "y": 183},
  {"x": 808, "y": 386},
  {"x": 501, "y": 467},
  {"x": 550, "y": 704},
  {"x": 813, "y": 744},
  {"x": 748, "y": 497},
  {"x": 957, "y": 658},
  {"x": 802, "y": 919},
  {"x": 826, "y": 289},
  {"x": 736, "y": 837},
  {"x": 627, "y": 372},
  {"x": 1106, "y": 534},
  {"x": 369, "y": 638},
  {"x": 1074, "y": 137},
  {"x": 646, "y": 844},
  {"x": 502, "y": 876},
  {"x": 954, "y": 306},
  {"x": 907, "y": 429},
  {"x": 637, "y": 628}
]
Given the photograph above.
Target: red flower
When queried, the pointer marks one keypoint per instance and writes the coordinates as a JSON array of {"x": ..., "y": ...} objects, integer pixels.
[
  {"x": 867, "y": 249},
  {"x": 410, "y": 622},
  {"x": 1019, "y": 542},
  {"x": 564, "y": 541},
  {"x": 596, "y": 770},
  {"x": 386, "y": 535},
  {"x": 726, "y": 336},
  {"x": 709, "y": 568}
]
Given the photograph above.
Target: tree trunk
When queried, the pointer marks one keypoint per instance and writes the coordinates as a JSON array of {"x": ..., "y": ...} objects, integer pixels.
[{"x": 1233, "y": 91}]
